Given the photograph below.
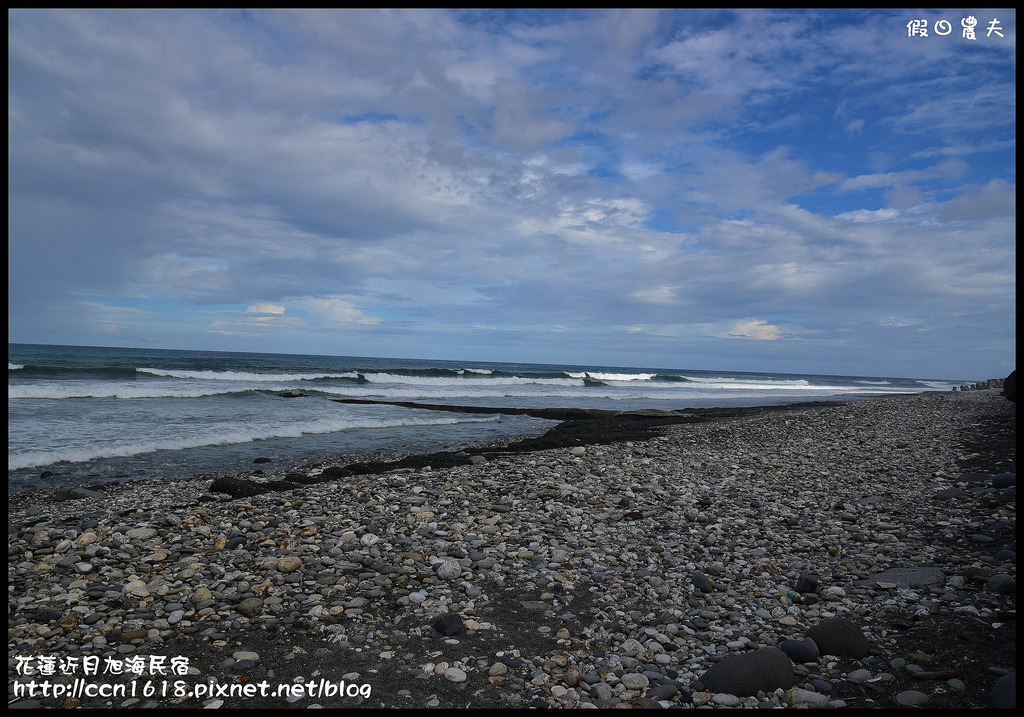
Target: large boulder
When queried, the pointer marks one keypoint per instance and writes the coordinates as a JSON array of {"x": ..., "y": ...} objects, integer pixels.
[
  {"x": 449, "y": 624},
  {"x": 746, "y": 673},
  {"x": 1010, "y": 386},
  {"x": 916, "y": 577},
  {"x": 839, "y": 636},
  {"x": 1004, "y": 692},
  {"x": 800, "y": 650},
  {"x": 701, "y": 582}
]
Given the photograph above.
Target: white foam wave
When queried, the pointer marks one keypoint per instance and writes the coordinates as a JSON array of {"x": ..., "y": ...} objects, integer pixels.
[
  {"x": 624, "y": 392},
  {"x": 391, "y": 378},
  {"x": 83, "y": 454},
  {"x": 243, "y": 375},
  {"x": 600, "y": 376},
  {"x": 622, "y": 376},
  {"x": 13, "y": 366},
  {"x": 108, "y": 390},
  {"x": 945, "y": 385},
  {"x": 397, "y": 387},
  {"x": 725, "y": 383}
]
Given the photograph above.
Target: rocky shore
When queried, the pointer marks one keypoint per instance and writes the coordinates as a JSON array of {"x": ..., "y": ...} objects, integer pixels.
[{"x": 854, "y": 555}]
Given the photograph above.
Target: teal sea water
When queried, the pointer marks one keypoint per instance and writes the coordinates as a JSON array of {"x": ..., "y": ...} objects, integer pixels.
[{"x": 87, "y": 415}]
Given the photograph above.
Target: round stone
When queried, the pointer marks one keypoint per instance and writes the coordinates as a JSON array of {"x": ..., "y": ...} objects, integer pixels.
[
  {"x": 1002, "y": 584},
  {"x": 634, "y": 681},
  {"x": 454, "y": 674},
  {"x": 701, "y": 582},
  {"x": 806, "y": 584},
  {"x": 448, "y": 569},
  {"x": 136, "y": 588},
  {"x": 664, "y": 691},
  {"x": 807, "y": 698},
  {"x": 289, "y": 564},
  {"x": 449, "y": 624},
  {"x": 859, "y": 676},
  {"x": 250, "y": 607},
  {"x": 911, "y": 698}
]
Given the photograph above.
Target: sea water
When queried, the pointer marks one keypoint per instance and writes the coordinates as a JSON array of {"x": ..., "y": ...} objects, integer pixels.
[{"x": 83, "y": 415}]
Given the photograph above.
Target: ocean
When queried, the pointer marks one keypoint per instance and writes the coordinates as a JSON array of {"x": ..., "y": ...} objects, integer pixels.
[{"x": 86, "y": 415}]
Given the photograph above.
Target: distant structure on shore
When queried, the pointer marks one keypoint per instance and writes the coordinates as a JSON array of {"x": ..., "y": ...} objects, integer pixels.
[
  {"x": 1008, "y": 384},
  {"x": 982, "y": 385}
]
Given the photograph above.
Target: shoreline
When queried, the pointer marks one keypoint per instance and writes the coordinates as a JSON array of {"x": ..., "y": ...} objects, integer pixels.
[
  {"x": 588, "y": 574},
  {"x": 575, "y": 427}
]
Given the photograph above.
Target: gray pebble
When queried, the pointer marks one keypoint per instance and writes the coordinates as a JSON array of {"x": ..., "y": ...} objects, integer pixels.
[
  {"x": 911, "y": 698},
  {"x": 703, "y": 544}
]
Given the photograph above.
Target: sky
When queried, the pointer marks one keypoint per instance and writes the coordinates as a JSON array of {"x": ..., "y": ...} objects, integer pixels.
[{"x": 804, "y": 191}]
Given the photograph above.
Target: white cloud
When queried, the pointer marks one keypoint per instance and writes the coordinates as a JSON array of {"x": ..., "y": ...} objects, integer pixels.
[
  {"x": 951, "y": 168},
  {"x": 754, "y": 329},
  {"x": 893, "y": 323},
  {"x": 639, "y": 170},
  {"x": 614, "y": 212},
  {"x": 257, "y": 320},
  {"x": 192, "y": 277},
  {"x": 997, "y": 198},
  {"x": 265, "y": 309},
  {"x": 657, "y": 295},
  {"x": 336, "y": 310},
  {"x": 592, "y": 222},
  {"x": 862, "y": 216},
  {"x": 325, "y": 169}
]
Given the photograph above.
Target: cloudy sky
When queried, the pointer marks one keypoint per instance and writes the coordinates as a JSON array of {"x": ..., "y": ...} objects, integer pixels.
[{"x": 789, "y": 191}]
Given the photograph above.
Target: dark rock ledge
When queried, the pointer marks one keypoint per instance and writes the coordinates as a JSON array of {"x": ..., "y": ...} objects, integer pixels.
[{"x": 578, "y": 427}]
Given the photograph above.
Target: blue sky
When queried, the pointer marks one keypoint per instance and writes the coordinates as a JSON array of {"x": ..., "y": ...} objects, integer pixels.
[{"x": 787, "y": 191}]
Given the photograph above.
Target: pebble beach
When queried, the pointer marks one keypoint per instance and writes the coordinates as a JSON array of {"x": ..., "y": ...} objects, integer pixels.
[{"x": 858, "y": 555}]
